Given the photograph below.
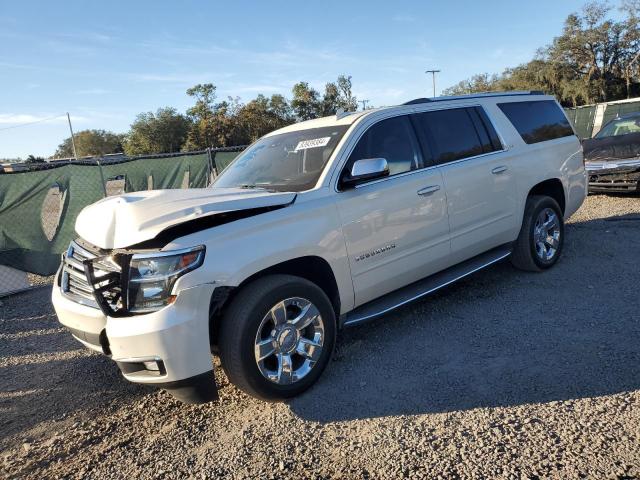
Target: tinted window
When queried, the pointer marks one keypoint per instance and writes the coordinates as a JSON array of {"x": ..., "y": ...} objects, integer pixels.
[
  {"x": 393, "y": 140},
  {"x": 451, "y": 134},
  {"x": 537, "y": 121},
  {"x": 488, "y": 127},
  {"x": 481, "y": 130}
]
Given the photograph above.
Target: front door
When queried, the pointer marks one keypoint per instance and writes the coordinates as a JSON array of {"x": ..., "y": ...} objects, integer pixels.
[{"x": 396, "y": 228}]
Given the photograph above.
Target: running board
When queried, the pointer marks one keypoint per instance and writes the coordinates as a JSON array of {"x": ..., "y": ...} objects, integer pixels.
[{"x": 421, "y": 288}]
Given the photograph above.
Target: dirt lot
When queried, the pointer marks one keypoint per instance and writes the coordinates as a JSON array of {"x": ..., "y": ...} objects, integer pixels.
[{"x": 503, "y": 375}]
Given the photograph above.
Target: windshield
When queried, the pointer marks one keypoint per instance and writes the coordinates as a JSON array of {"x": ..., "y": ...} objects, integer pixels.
[
  {"x": 622, "y": 126},
  {"x": 289, "y": 162}
]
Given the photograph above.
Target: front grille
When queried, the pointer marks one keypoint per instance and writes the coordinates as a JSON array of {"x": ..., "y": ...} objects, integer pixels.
[{"x": 93, "y": 278}]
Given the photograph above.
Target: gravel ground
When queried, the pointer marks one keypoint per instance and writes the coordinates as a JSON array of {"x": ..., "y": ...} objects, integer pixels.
[{"x": 502, "y": 375}]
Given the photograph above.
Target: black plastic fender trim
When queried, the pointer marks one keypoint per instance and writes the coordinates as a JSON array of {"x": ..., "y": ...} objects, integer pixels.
[{"x": 200, "y": 388}]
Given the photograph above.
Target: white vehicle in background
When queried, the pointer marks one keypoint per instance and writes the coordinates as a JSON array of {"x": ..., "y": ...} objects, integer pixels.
[{"x": 317, "y": 226}]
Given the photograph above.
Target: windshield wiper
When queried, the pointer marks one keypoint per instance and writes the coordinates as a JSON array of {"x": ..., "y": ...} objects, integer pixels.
[{"x": 263, "y": 186}]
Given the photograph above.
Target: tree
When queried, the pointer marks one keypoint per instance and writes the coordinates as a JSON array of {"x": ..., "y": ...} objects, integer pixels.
[
  {"x": 201, "y": 114},
  {"x": 91, "y": 143},
  {"x": 346, "y": 100},
  {"x": 594, "y": 59},
  {"x": 261, "y": 116},
  {"x": 306, "y": 102},
  {"x": 34, "y": 159},
  {"x": 476, "y": 84},
  {"x": 163, "y": 132},
  {"x": 330, "y": 100}
]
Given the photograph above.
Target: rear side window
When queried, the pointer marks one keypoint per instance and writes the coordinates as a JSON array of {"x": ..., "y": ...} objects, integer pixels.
[
  {"x": 457, "y": 133},
  {"x": 537, "y": 121},
  {"x": 392, "y": 139}
]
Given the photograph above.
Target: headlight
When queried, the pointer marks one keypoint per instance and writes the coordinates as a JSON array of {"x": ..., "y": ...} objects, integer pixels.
[{"x": 151, "y": 277}]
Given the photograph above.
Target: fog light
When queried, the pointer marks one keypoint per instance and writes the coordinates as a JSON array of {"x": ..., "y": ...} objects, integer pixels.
[{"x": 152, "y": 365}]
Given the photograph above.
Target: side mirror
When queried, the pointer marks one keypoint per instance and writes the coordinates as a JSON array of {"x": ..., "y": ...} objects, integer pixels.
[{"x": 365, "y": 169}]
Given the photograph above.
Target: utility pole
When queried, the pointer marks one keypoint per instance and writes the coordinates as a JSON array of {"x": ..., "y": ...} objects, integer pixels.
[
  {"x": 73, "y": 140},
  {"x": 364, "y": 104},
  {"x": 433, "y": 73}
]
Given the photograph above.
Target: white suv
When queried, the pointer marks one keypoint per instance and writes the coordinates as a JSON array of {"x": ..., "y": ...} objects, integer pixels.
[{"x": 317, "y": 226}]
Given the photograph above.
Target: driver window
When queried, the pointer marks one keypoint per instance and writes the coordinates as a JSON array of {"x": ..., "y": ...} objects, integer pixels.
[{"x": 392, "y": 139}]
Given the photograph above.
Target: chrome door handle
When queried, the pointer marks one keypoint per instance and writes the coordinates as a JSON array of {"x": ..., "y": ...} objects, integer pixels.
[
  {"x": 499, "y": 170},
  {"x": 428, "y": 190}
]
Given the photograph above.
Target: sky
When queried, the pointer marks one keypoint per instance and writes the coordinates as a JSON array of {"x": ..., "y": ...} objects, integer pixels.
[{"x": 105, "y": 62}]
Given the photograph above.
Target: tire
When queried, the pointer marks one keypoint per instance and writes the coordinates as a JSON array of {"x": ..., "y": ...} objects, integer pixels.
[
  {"x": 252, "y": 318},
  {"x": 527, "y": 252}
]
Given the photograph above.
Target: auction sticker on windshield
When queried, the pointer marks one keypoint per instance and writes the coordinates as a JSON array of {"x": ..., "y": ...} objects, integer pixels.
[{"x": 313, "y": 143}]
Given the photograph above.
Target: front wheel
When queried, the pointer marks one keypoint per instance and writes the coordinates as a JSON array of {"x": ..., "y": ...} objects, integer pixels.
[
  {"x": 541, "y": 237},
  {"x": 277, "y": 336}
]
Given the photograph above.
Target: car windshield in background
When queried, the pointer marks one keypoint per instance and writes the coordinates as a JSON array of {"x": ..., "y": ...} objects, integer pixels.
[
  {"x": 621, "y": 126},
  {"x": 289, "y": 162}
]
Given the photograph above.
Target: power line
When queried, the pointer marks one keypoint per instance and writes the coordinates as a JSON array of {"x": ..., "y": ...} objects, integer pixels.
[{"x": 32, "y": 123}]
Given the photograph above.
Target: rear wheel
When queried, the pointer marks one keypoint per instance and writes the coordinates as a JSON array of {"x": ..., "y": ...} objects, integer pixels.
[
  {"x": 277, "y": 336},
  {"x": 541, "y": 237}
]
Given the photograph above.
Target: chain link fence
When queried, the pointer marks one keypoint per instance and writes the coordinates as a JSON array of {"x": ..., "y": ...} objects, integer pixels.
[{"x": 39, "y": 203}]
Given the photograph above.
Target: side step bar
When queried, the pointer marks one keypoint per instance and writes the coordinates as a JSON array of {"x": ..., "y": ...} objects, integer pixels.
[{"x": 419, "y": 289}]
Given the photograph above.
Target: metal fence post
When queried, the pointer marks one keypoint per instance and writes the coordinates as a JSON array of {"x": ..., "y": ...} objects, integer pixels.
[
  {"x": 210, "y": 167},
  {"x": 104, "y": 185}
]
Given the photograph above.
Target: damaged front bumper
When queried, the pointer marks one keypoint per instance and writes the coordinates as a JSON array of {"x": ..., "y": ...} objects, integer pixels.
[
  {"x": 614, "y": 175},
  {"x": 168, "y": 348}
]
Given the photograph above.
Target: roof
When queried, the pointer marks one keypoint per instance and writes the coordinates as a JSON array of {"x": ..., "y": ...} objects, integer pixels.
[
  {"x": 330, "y": 121},
  {"x": 349, "y": 118}
]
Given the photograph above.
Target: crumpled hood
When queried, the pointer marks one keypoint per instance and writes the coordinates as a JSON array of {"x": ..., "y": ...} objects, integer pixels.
[{"x": 125, "y": 220}]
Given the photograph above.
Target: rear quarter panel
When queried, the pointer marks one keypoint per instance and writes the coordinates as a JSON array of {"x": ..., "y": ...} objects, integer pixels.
[{"x": 560, "y": 158}]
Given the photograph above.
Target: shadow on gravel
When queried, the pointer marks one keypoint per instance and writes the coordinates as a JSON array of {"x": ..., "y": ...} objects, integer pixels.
[
  {"x": 498, "y": 338},
  {"x": 67, "y": 380},
  {"x": 35, "y": 392}
]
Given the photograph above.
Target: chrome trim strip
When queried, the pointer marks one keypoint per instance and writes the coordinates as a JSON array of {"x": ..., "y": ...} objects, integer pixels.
[
  {"x": 74, "y": 263},
  {"x": 84, "y": 253},
  {"x": 138, "y": 359},
  {"x": 345, "y": 151},
  {"x": 356, "y": 321},
  {"x": 166, "y": 253},
  {"x": 431, "y": 167},
  {"x": 610, "y": 165},
  {"x": 81, "y": 300},
  {"x": 75, "y": 273},
  {"x": 82, "y": 287}
]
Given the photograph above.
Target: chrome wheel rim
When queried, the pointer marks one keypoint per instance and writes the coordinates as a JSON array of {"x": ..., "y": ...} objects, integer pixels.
[
  {"x": 289, "y": 341},
  {"x": 546, "y": 234}
]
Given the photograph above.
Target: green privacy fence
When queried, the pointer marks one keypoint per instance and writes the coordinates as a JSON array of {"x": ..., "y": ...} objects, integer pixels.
[
  {"x": 583, "y": 119},
  {"x": 589, "y": 119},
  {"x": 619, "y": 109},
  {"x": 27, "y": 204}
]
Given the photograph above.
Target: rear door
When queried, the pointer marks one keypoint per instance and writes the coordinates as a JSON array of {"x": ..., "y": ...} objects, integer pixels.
[
  {"x": 477, "y": 175},
  {"x": 396, "y": 228}
]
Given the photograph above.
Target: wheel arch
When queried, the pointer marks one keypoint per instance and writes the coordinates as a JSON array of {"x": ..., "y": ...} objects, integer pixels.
[
  {"x": 553, "y": 188},
  {"x": 310, "y": 267}
]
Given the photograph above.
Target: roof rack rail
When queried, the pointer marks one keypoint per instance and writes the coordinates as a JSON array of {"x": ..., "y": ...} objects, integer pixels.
[
  {"x": 341, "y": 113},
  {"x": 474, "y": 95}
]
